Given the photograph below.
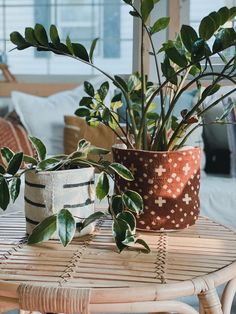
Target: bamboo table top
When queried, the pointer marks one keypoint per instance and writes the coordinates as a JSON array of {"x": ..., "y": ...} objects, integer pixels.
[{"x": 92, "y": 262}]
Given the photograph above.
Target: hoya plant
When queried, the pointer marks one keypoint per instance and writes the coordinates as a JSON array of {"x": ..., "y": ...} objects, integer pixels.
[
  {"x": 122, "y": 205},
  {"x": 180, "y": 64}
]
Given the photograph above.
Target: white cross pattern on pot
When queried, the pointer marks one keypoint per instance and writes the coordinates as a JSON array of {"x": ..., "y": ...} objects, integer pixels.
[
  {"x": 160, "y": 201},
  {"x": 187, "y": 199},
  {"x": 133, "y": 169},
  {"x": 160, "y": 170},
  {"x": 186, "y": 169}
]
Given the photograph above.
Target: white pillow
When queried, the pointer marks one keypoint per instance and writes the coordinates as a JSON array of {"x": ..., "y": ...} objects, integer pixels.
[{"x": 43, "y": 117}]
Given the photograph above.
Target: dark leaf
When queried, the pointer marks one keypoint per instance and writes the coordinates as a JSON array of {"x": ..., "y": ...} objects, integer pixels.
[
  {"x": 116, "y": 204},
  {"x": 7, "y": 153},
  {"x": 144, "y": 244},
  {"x": 174, "y": 123},
  {"x": 207, "y": 28},
  {"x": 128, "y": 1},
  {"x": 15, "y": 188},
  {"x": 15, "y": 163},
  {"x": 224, "y": 15},
  {"x": 19, "y": 41},
  {"x": 39, "y": 146},
  {"x": 41, "y": 34},
  {"x": 30, "y": 160},
  {"x": 48, "y": 164},
  {"x": 119, "y": 82},
  {"x": 102, "y": 188},
  {"x": 4, "y": 193},
  {"x": 92, "y": 48},
  {"x": 216, "y": 17},
  {"x": 119, "y": 228},
  {"x": 225, "y": 38},
  {"x": 116, "y": 102},
  {"x": 80, "y": 51},
  {"x": 54, "y": 35},
  {"x": 92, "y": 218},
  {"x": 82, "y": 112},
  {"x": 86, "y": 102},
  {"x": 198, "y": 50},
  {"x": 210, "y": 90},
  {"x": 44, "y": 230},
  {"x": 66, "y": 226},
  {"x": 2, "y": 169},
  {"x": 30, "y": 37},
  {"x": 129, "y": 218},
  {"x": 188, "y": 36},
  {"x": 133, "y": 13},
  {"x": 176, "y": 57},
  {"x": 103, "y": 90},
  {"x": 98, "y": 151},
  {"x": 168, "y": 71},
  {"x": 88, "y": 88},
  {"x": 146, "y": 9},
  {"x": 122, "y": 171},
  {"x": 133, "y": 201}
]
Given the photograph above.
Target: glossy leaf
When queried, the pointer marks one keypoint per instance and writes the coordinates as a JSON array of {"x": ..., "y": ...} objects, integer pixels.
[
  {"x": 168, "y": 71},
  {"x": 92, "y": 218},
  {"x": 98, "y": 151},
  {"x": 116, "y": 102},
  {"x": 66, "y": 226},
  {"x": 122, "y": 171},
  {"x": 41, "y": 34},
  {"x": 44, "y": 230},
  {"x": 15, "y": 188},
  {"x": 119, "y": 228},
  {"x": 102, "y": 188},
  {"x": 188, "y": 36},
  {"x": 69, "y": 45},
  {"x": 119, "y": 81},
  {"x": 15, "y": 163},
  {"x": 176, "y": 57},
  {"x": 116, "y": 204},
  {"x": 88, "y": 88},
  {"x": 225, "y": 38},
  {"x": 128, "y": 1},
  {"x": 210, "y": 90},
  {"x": 146, "y": 8},
  {"x": 19, "y": 41},
  {"x": 30, "y": 160},
  {"x": 224, "y": 15},
  {"x": 207, "y": 28},
  {"x": 129, "y": 218},
  {"x": 82, "y": 112},
  {"x": 92, "y": 48},
  {"x": 54, "y": 35},
  {"x": 30, "y": 37},
  {"x": 4, "y": 193},
  {"x": 86, "y": 101},
  {"x": 159, "y": 25},
  {"x": 48, "y": 164},
  {"x": 80, "y": 51},
  {"x": 133, "y": 201},
  {"x": 7, "y": 153},
  {"x": 39, "y": 146},
  {"x": 144, "y": 244},
  {"x": 2, "y": 169},
  {"x": 103, "y": 90}
]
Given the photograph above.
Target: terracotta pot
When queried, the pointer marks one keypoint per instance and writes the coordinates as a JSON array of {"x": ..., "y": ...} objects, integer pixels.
[
  {"x": 46, "y": 193},
  {"x": 169, "y": 184}
]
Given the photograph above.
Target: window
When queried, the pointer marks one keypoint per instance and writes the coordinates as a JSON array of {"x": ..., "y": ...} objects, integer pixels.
[{"x": 82, "y": 20}]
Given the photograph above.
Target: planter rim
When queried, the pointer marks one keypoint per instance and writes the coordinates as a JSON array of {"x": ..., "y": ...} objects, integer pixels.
[
  {"x": 187, "y": 148},
  {"x": 58, "y": 171}
]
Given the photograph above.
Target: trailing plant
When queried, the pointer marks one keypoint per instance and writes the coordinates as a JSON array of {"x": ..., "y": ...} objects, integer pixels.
[
  {"x": 186, "y": 62},
  {"x": 122, "y": 205}
]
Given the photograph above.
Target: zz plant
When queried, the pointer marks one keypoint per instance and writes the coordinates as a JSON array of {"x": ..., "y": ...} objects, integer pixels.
[
  {"x": 121, "y": 205},
  {"x": 186, "y": 62}
]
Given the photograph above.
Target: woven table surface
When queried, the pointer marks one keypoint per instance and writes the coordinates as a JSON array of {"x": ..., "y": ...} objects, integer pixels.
[{"x": 93, "y": 261}]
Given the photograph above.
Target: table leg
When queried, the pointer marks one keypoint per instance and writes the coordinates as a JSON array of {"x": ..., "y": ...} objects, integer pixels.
[
  {"x": 210, "y": 302},
  {"x": 228, "y": 296}
]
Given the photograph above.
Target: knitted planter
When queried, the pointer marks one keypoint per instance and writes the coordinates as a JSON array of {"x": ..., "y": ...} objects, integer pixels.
[
  {"x": 169, "y": 184},
  {"x": 46, "y": 193}
]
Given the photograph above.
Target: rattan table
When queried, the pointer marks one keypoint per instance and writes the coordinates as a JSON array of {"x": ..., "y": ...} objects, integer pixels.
[{"x": 89, "y": 276}]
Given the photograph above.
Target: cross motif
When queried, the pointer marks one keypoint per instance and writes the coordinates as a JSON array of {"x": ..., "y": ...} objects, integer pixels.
[
  {"x": 160, "y": 201},
  {"x": 186, "y": 169},
  {"x": 132, "y": 168},
  {"x": 187, "y": 199},
  {"x": 160, "y": 170}
]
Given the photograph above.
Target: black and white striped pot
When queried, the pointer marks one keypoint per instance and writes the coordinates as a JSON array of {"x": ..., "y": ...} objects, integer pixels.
[{"x": 46, "y": 193}]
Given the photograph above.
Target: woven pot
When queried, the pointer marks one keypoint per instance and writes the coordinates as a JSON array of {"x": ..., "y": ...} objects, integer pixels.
[
  {"x": 46, "y": 193},
  {"x": 169, "y": 184}
]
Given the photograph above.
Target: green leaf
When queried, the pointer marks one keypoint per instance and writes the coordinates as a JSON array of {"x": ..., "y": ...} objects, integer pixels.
[
  {"x": 128, "y": 1},
  {"x": 82, "y": 112},
  {"x": 168, "y": 71},
  {"x": 133, "y": 201},
  {"x": 207, "y": 28},
  {"x": 98, "y": 151},
  {"x": 19, "y": 41},
  {"x": 122, "y": 171},
  {"x": 92, "y": 218},
  {"x": 4, "y": 194},
  {"x": 174, "y": 123},
  {"x": 80, "y": 52},
  {"x": 116, "y": 102},
  {"x": 102, "y": 188},
  {"x": 15, "y": 163},
  {"x": 188, "y": 36},
  {"x": 30, "y": 160},
  {"x": 92, "y": 48},
  {"x": 44, "y": 230},
  {"x": 66, "y": 226},
  {"x": 119, "y": 82},
  {"x": 176, "y": 57},
  {"x": 54, "y": 35},
  {"x": 146, "y": 8},
  {"x": 198, "y": 50},
  {"x": 116, "y": 204},
  {"x": 129, "y": 218},
  {"x": 210, "y": 90},
  {"x": 225, "y": 38},
  {"x": 159, "y": 25},
  {"x": 134, "y": 83},
  {"x": 69, "y": 45},
  {"x": 30, "y": 37},
  {"x": 119, "y": 228},
  {"x": 134, "y": 13},
  {"x": 41, "y": 34},
  {"x": 86, "y": 102},
  {"x": 144, "y": 244},
  {"x": 15, "y": 188},
  {"x": 2, "y": 169},
  {"x": 103, "y": 90},
  {"x": 7, "y": 153},
  {"x": 48, "y": 164},
  {"x": 224, "y": 15},
  {"x": 216, "y": 17},
  {"x": 88, "y": 88},
  {"x": 39, "y": 146}
]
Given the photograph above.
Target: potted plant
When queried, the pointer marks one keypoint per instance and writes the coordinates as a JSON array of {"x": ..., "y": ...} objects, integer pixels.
[
  {"x": 60, "y": 193},
  {"x": 166, "y": 172}
]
